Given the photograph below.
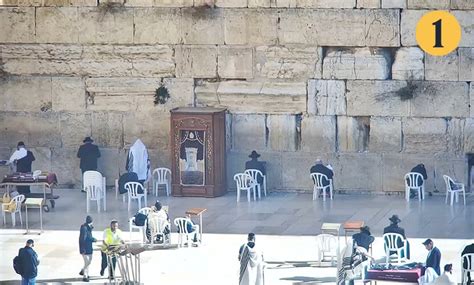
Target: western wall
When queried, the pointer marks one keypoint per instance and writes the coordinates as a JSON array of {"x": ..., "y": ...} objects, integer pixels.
[{"x": 342, "y": 80}]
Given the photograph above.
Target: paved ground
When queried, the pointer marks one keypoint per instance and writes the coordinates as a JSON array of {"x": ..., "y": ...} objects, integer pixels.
[{"x": 285, "y": 224}]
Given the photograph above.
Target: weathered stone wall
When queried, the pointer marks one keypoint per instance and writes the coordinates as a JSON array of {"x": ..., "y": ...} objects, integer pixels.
[{"x": 338, "y": 79}]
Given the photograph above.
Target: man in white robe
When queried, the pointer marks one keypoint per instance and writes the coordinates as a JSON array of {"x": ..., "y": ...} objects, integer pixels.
[
  {"x": 137, "y": 160},
  {"x": 251, "y": 263}
]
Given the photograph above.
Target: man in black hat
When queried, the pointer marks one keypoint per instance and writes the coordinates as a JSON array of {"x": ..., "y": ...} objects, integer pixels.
[
  {"x": 255, "y": 164},
  {"x": 85, "y": 246},
  {"x": 394, "y": 228},
  {"x": 23, "y": 159},
  {"x": 434, "y": 256},
  {"x": 88, "y": 153},
  {"x": 364, "y": 238},
  {"x": 319, "y": 167}
]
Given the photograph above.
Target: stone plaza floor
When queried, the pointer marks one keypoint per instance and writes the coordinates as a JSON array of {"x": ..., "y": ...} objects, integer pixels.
[{"x": 285, "y": 223}]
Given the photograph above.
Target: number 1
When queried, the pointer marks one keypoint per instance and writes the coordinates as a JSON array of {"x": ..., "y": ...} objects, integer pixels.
[{"x": 438, "y": 41}]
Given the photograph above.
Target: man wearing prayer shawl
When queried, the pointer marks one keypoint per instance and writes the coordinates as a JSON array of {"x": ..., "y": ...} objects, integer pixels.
[
  {"x": 251, "y": 263},
  {"x": 137, "y": 160}
]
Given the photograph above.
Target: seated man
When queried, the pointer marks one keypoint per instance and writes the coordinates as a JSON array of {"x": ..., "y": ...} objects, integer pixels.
[
  {"x": 468, "y": 249},
  {"x": 191, "y": 227},
  {"x": 420, "y": 168},
  {"x": 447, "y": 277},
  {"x": 158, "y": 216},
  {"x": 255, "y": 164},
  {"x": 319, "y": 167},
  {"x": 394, "y": 228},
  {"x": 434, "y": 256},
  {"x": 364, "y": 238}
]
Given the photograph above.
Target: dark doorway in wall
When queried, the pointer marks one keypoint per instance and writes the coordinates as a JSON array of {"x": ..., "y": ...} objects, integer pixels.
[{"x": 470, "y": 171}]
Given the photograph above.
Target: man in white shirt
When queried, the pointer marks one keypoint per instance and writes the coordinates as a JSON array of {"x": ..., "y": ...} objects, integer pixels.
[
  {"x": 447, "y": 277},
  {"x": 18, "y": 154}
]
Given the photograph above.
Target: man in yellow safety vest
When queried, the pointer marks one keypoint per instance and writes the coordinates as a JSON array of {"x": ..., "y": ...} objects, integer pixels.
[{"x": 112, "y": 238}]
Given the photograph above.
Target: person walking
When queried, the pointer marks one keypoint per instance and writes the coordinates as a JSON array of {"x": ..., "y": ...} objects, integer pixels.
[
  {"x": 85, "y": 247},
  {"x": 29, "y": 263},
  {"x": 112, "y": 239},
  {"x": 251, "y": 263}
]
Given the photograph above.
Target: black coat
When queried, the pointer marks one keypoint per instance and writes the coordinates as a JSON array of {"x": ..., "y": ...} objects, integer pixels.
[
  {"x": 24, "y": 164},
  {"x": 394, "y": 228},
  {"x": 320, "y": 168},
  {"x": 422, "y": 170},
  {"x": 466, "y": 250},
  {"x": 434, "y": 259},
  {"x": 86, "y": 239},
  {"x": 255, "y": 164},
  {"x": 29, "y": 262},
  {"x": 88, "y": 153},
  {"x": 363, "y": 239}
]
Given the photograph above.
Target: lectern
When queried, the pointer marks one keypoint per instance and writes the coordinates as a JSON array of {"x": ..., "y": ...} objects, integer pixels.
[{"x": 198, "y": 152}]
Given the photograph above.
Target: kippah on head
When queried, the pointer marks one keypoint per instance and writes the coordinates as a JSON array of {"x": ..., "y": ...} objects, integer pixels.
[
  {"x": 251, "y": 236},
  {"x": 448, "y": 267},
  {"x": 158, "y": 205},
  {"x": 30, "y": 241},
  {"x": 88, "y": 219}
]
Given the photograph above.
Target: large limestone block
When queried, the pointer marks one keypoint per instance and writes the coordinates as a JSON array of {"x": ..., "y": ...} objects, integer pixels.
[
  {"x": 462, "y": 4},
  {"x": 25, "y": 94},
  {"x": 18, "y": 25},
  {"x": 196, "y": 61},
  {"x": 248, "y": 132},
  {"x": 318, "y": 134},
  {"x": 471, "y": 95},
  {"x": 382, "y": 27},
  {"x": 181, "y": 93},
  {"x": 469, "y": 135},
  {"x": 368, "y": 4},
  {"x": 402, "y": 4},
  {"x": 445, "y": 68},
  {"x": 13, "y": 129},
  {"x": 424, "y": 135},
  {"x": 78, "y": 3},
  {"x": 428, "y": 4},
  {"x": 453, "y": 166},
  {"x": 259, "y": 3},
  {"x": 376, "y": 98},
  {"x": 66, "y": 169},
  {"x": 254, "y": 97},
  {"x": 108, "y": 164},
  {"x": 152, "y": 68},
  {"x": 107, "y": 128},
  {"x": 440, "y": 99},
  {"x": 408, "y": 64},
  {"x": 231, "y": 3},
  {"x": 68, "y": 94},
  {"x": 326, "y": 27},
  {"x": 326, "y": 97},
  {"x": 203, "y": 26},
  {"x": 154, "y": 26},
  {"x": 159, "y": 3},
  {"x": 455, "y": 136},
  {"x": 73, "y": 127},
  {"x": 288, "y": 62},
  {"x": 363, "y": 63},
  {"x": 41, "y": 128},
  {"x": 43, "y": 158},
  {"x": 284, "y": 3},
  {"x": 353, "y": 133},
  {"x": 111, "y": 27},
  {"x": 282, "y": 132},
  {"x": 409, "y": 19},
  {"x": 348, "y": 174},
  {"x": 466, "y": 64},
  {"x": 153, "y": 128},
  {"x": 251, "y": 26},
  {"x": 57, "y": 25},
  {"x": 41, "y": 51},
  {"x": 294, "y": 169},
  {"x": 326, "y": 3},
  {"x": 385, "y": 134},
  {"x": 235, "y": 62}
]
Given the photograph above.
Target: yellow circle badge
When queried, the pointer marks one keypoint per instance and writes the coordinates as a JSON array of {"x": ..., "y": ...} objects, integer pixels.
[{"x": 438, "y": 33}]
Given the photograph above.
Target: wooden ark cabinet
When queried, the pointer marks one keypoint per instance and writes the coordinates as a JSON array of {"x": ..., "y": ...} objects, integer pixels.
[{"x": 198, "y": 152}]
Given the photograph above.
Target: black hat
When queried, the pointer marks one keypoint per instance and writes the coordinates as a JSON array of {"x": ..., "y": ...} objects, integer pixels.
[
  {"x": 88, "y": 219},
  {"x": 395, "y": 219},
  {"x": 254, "y": 154},
  {"x": 428, "y": 241},
  {"x": 20, "y": 144},
  {"x": 87, "y": 139}
]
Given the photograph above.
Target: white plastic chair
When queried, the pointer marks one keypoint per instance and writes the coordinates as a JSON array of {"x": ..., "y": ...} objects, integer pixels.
[
  {"x": 245, "y": 182},
  {"x": 160, "y": 225},
  {"x": 161, "y": 176},
  {"x": 319, "y": 186},
  {"x": 411, "y": 182},
  {"x": 469, "y": 257},
  {"x": 94, "y": 185},
  {"x": 17, "y": 200},
  {"x": 391, "y": 244},
  {"x": 132, "y": 191},
  {"x": 141, "y": 229},
  {"x": 327, "y": 244},
  {"x": 181, "y": 224},
  {"x": 255, "y": 173},
  {"x": 454, "y": 192}
]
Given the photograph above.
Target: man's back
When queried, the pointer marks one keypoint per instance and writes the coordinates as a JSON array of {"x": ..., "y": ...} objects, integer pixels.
[
  {"x": 466, "y": 250},
  {"x": 320, "y": 168},
  {"x": 434, "y": 259},
  {"x": 24, "y": 164},
  {"x": 255, "y": 164},
  {"x": 29, "y": 262},
  {"x": 88, "y": 153}
]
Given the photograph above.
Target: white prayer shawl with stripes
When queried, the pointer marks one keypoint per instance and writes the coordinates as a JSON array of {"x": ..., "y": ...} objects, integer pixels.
[
  {"x": 251, "y": 267},
  {"x": 138, "y": 160},
  {"x": 351, "y": 262}
]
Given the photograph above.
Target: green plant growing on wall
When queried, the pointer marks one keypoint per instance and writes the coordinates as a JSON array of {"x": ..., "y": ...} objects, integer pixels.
[
  {"x": 161, "y": 95},
  {"x": 46, "y": 106}
]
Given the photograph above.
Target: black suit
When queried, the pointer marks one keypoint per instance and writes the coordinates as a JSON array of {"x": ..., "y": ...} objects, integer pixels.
[
  {"x": 88, "y": 153},
  {"x": 363, "y": 239},
  {"x": 320, "y": 168},
  {"x": 467, "y": 249},
  {"x": 434, "y": 259},
  {"x": 24, "y": 165},
  {"x": 394, "y": 228},
  {"x": 255, "y": 164}
]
